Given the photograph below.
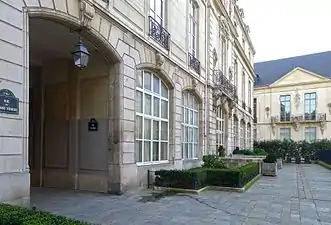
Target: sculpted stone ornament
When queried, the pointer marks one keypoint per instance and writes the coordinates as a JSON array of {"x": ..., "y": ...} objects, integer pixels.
[
  {"x": 322, "y": 120},
  {"x": 87, "y": 13},
  {"x": 297, "y": 99},
  {"x": 273, "y": 120},
  {"x": 215, "y": 57},
  {"x": 159, "y": 60},
  {"x": 296, "y": 123},
  {"x": 267, "y": 110},
  {"x": 242, "y": 13},
  {"x": 194, "y": 83}
]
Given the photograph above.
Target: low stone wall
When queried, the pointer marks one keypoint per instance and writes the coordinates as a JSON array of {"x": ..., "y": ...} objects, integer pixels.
[{"x": 233, "y": 162}]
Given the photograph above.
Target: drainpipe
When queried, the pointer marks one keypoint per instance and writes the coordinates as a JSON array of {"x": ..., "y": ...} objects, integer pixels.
[{"x": 207, "y": 29}]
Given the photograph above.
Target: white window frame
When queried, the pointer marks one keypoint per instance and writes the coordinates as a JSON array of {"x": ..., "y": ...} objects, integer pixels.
[
  {"x": 242, "y": 134},
  {"x": 243, "y": 89},
  {"x": 310, "y": 132},
  {"x": 249, "y": 135},
  {"x": 285, "y": 133},
  {"x": 250, "y": 94},
  {"x": 235, "y": 132},
  {"x": 190, "y": 122},
  {"x": 154, "y": 14},
  {"x": 220, "y": 127},
  {"x": 193, "y": 28},
  {"x": 223, "y": 55},
  {"x": 152, "y": 118}
]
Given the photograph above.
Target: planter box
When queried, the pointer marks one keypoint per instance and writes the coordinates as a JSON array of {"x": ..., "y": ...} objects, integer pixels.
[
  {"x": 279, "y": 163},
  {"x": 269, "y": 169}
]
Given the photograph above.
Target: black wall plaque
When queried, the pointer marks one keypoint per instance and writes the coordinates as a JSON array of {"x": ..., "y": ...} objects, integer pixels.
[
  {"x": 93, "y": 125},
  {"x": 9, "y": 104}
]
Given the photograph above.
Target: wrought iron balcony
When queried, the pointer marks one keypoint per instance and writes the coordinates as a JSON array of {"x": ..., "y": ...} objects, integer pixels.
[
  {"x": 224, "y": 84},
  {"x": 194, "y": 63},
  {"x": 307, "y": 117},
  {"x": 158, "y": 33}
]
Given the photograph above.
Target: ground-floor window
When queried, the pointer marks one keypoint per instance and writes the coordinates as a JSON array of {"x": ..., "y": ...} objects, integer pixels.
[
  {"x": 242, "y": 134},
  {"x": 152, "y": 122},
  {"x": 235, "y": 132},
  {"x": 285, "y": 133},
  {"x": 190, "y": 126},
  {"x": 310, "y": 134},
  {"x": 220, "y": 127}
]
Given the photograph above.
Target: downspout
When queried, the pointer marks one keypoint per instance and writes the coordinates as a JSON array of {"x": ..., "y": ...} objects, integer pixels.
[{"x": 207, "y": 28}]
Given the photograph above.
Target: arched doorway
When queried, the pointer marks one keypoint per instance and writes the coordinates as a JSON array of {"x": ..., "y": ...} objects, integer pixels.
[{"x": 64, "y": 151}]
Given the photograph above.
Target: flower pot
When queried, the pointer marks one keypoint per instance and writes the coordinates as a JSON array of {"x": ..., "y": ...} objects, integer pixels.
[
  {"x": 269, "y": 169},
  {"x": 279, "y": 163}
]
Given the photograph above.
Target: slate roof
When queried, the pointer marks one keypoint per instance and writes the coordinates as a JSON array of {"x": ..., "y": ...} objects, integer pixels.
[{"x": 269, "y": 71}]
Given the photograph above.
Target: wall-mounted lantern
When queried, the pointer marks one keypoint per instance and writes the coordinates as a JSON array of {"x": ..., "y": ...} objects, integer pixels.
[{"x": 80, "y": 55}]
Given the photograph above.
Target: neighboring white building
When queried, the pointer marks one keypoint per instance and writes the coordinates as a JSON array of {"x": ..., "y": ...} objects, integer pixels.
[{"x": 158, "y": 92}]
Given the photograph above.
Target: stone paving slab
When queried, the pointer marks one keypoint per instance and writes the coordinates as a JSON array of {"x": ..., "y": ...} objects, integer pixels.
[{"x": 300, "y": 194}]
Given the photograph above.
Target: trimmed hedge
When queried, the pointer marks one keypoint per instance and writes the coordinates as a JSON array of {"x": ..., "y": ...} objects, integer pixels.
[
  {"x": 200, "y": 177},
  {"x": 14, "y": 215},
  {"x": 256, "y": 151},
  {"x": 187, "y": 179}
]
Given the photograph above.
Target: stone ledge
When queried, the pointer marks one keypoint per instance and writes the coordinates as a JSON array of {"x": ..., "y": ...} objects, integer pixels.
[
  {"x": 210, "y": 188},
  {"x": 323, "y": 164}
]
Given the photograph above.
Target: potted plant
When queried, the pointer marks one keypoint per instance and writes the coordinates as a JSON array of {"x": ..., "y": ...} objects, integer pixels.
[
  {"x": 221, "y": 151},
  {"x": 269, "y": 165}
]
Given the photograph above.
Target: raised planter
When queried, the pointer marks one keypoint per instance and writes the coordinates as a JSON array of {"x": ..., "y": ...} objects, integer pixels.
[
  {"x": 279, "y": 163},
  {"x": 269, "y": 169}
]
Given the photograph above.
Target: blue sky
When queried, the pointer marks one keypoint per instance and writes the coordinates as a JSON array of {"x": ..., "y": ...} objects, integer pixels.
[{"x": 285, "y": 28}]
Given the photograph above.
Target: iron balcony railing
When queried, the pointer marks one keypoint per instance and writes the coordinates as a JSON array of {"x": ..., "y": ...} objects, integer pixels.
[
  {"x": 194, "y": 63},
  {"x": 250, "y": 110},
  {"x": 158, "y": 33},
  {"x": 244, "y": 105},
  {"x": 225, "y": 85},
  {"x": 307, "y": 117}
]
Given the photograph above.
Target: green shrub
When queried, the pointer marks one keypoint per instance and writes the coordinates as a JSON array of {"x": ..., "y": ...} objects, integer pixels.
[
  {"x": 236, "y": 177},
  {"x": 257, "y": 151},
  {"x": 212, "y": 161},
  {"x": 236, "y": 151},
  {"x": 271, "y": 158},
  {"x": 200, "y": 177},
  {"x": 187, "y": 179},
  {"x": 221, "y": 151},
  {"x": 14, "y": 215}
]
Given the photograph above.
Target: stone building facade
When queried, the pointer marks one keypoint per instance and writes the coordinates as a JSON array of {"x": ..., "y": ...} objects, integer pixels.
[
  {"x": 160, "y": 90},
  {"x": 292, "y": 98}
]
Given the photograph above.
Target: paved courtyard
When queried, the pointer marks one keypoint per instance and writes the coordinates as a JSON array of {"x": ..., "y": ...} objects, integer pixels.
[{"x": 300, "y": 194}]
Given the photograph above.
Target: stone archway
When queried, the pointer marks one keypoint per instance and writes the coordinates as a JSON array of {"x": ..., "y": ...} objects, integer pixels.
[{"x": 68, "y": 156}]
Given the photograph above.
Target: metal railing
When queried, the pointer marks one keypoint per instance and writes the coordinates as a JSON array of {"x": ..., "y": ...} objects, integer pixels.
[
  {"x": 225, "y": 85},
  {"x": 194, "y": 63},
  {"x": 158, "y": 33}
]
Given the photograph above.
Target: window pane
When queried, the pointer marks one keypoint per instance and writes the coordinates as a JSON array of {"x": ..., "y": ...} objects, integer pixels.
[
  {"x": 147, "y": 81},
  {"x": 139, "y": 127},
  {"x": 156, "y": 130},
  {"x": 156, "y": 84},
  {"x": 139, "y": 148},
  {"x": 155, "y": 151},
  {"x": 164, "y": 130},
  {"x": 139, "y": 81},
  {"x": 187, "y": 116},
  {"x": 191, "y": 117},
  {"x": 164, "y": 90},
  {"x": 183, "y": 114},
  {"x": 195, "y": 119},
  {"x": 158, "y": 8},
  {"x": 148, "y": 104},
  {"x": 139, "y": 101},
  {"x": 156, "y": 111},
  {"x": 147, "y": 128},
  {"x": 164, "y": 109},
  {"x": 164, "y": 151},
  {"x": 151, "y": 4},
  {"x": 147, "y": 151}
]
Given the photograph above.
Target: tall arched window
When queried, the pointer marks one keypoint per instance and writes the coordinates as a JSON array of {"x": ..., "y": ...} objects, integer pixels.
[
  {"x": 235, "y": 132},
  {"x": 190, "y": 126},
  {"x": 220, "y": 127},
  {"x": 242, "y": 134},
  {"x": 152, "y": 123},
  {"x": 249, "y": 136}
]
